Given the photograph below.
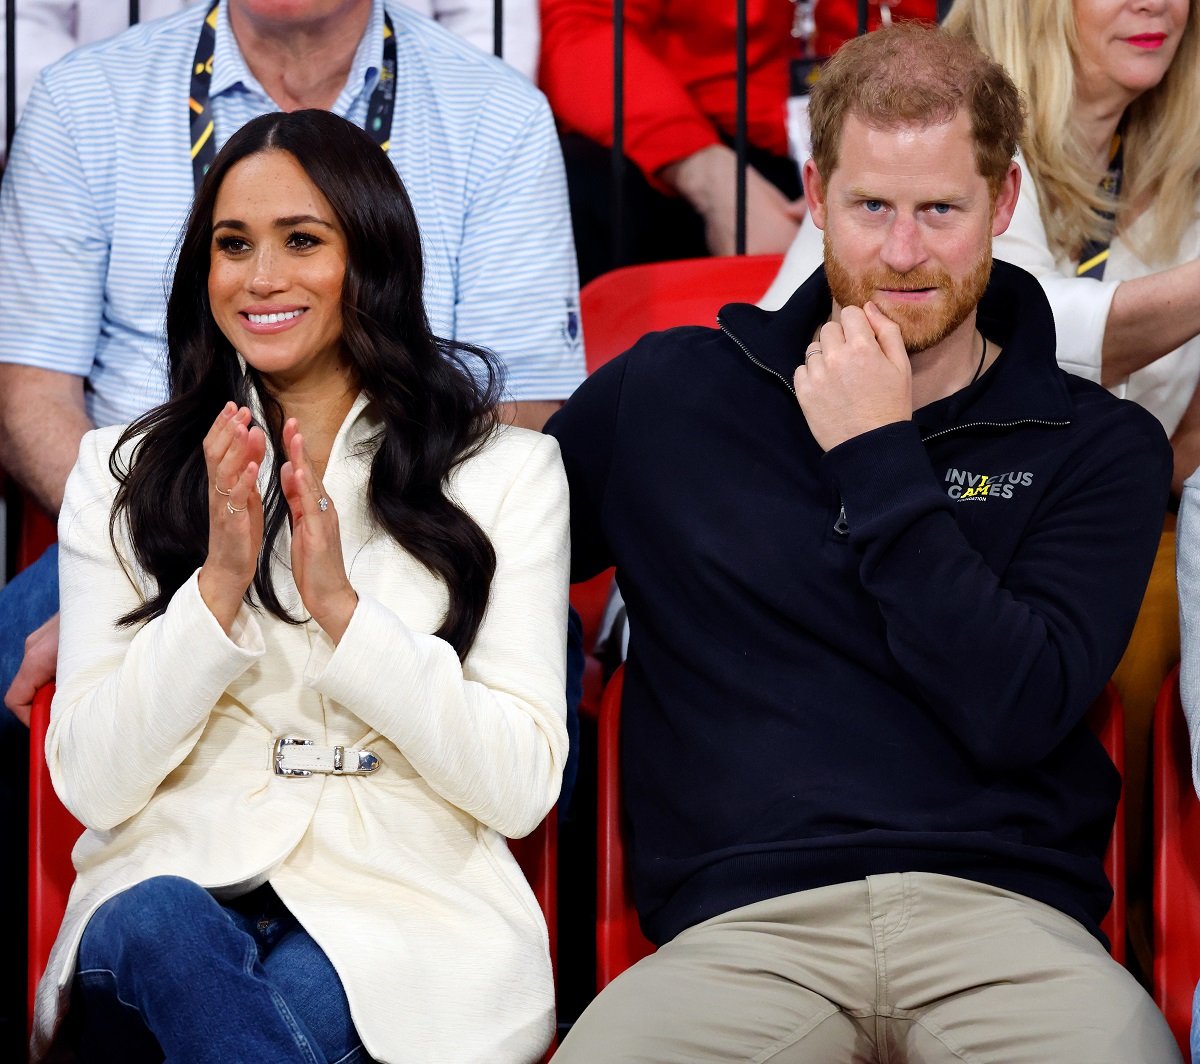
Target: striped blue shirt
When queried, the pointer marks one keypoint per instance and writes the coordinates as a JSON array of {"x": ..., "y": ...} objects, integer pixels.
[{"x": 100, "y": 181}]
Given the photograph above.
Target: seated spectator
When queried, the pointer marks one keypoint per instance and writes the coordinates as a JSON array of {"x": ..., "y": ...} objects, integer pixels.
[
  {"x": 46, "y": 30},
  {"x": 680, "y": 118},
  {"x": 880, "y": 555},
  {"x": 325, "y": 490},
  {"x": 87, "y": 209},
  {"x": 95, "y": 193},
  {"x": 1108, "y": 222}
]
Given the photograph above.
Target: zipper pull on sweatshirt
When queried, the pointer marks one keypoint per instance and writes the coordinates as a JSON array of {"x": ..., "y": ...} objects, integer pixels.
[{"x": 841, "y": 526}]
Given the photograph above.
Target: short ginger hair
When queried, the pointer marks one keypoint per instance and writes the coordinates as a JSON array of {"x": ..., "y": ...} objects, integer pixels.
[{"x": 911, "y": 73}]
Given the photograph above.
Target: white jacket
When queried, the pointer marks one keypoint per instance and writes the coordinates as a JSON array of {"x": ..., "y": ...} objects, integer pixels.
[
  {"x": 160, "y": 741},
  {"x": 1080, "y": 304}
]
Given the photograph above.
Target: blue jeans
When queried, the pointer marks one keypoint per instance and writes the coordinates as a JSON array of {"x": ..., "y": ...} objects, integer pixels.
[
  {"x": 26, "y": 602},
  {"x": 165, "y": 971}
]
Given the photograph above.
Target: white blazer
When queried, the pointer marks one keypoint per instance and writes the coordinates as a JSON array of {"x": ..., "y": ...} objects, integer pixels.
[{"x": 160, "y": 741}]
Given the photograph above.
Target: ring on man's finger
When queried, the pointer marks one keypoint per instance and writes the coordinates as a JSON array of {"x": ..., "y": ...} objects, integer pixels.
[
  {"x": 231, "y": 509},
  {"x": 221, "y": 491}
]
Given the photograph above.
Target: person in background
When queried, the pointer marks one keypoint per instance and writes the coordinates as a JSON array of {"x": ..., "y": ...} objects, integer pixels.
[
  {"x": 1109, "y": 223},
  {"x": 46, "y": 30},
  {"x": 680, "y": 118},
  {"x": 326, "y": 490},
  {"x": 680, "y": 115},
  {"x": 880, "y": 554}
]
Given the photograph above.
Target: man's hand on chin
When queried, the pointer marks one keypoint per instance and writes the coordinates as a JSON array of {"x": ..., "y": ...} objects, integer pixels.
[{"x": 856, "y": 378}]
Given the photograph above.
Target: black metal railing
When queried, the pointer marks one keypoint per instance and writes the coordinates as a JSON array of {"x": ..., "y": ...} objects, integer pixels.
[
  {"x": 618, "y": 152},
  {"x": 740, "y": 142}
]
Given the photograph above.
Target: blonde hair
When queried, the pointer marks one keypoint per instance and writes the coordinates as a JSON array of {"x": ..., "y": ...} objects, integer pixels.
[
  {"x": 915, "y": 73},
  {"x": 1035, "y": 41}
]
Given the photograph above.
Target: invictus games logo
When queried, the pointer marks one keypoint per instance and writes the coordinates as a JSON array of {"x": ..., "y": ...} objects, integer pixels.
[{"x": 979, "y": 487}]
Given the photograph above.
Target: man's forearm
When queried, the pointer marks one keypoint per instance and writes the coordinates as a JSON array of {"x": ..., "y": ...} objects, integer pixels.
[
  {"x": 42, "y": 420},
  {"x": 707, "y": 179},
  {"x": 1150, "y": 317},
  {"x": 529, "y": 414}
]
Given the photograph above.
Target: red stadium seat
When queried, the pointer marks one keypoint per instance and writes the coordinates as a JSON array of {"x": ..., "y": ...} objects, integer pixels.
[
  {"x": 619, "y": 939},
  {"x": 537, "y": 854},
  {"x": 53, "y": 831},
  {"x": 620, "y": 307},
  {"x": 590, "y": 597},
  {"x": 1176, "y": 865},
  {"x": 617, "y": 309},
  {"x": 1107, "y": 718}
]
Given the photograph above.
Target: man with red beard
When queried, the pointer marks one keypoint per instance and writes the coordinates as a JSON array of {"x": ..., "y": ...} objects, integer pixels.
[{"x": 879, "y": 555}]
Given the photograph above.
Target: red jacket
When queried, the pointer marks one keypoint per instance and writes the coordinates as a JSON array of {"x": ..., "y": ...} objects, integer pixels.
[
  {"x": 680, "y": 69},
  {"x": 680, "y": 73}
]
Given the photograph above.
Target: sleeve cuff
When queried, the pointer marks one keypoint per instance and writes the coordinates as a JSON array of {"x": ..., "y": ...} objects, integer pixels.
[
  {"x": 1080, "y": 306},
  {"x": 348, "y": 670},
  {"x": 245, "y": 637},
  {"x": 884, "y": 477}
]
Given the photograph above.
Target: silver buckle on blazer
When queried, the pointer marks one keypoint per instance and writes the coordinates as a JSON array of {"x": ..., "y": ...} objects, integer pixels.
[{"x": 302, "y": 757}]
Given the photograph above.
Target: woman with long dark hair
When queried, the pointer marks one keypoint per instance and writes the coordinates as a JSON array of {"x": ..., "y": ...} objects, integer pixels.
[{"x": 312, "y": 654}]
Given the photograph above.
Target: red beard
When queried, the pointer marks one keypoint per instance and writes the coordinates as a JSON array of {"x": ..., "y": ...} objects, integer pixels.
[{"x": 921, "y": 325}]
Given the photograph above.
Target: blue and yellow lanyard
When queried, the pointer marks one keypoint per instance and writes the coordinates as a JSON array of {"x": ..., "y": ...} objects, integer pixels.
[
  {"x": 1094, "y": 256},
  {"x": 379, "y": 110}
]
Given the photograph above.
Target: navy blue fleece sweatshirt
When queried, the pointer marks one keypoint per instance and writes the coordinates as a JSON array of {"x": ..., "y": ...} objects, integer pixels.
[{"x": 873, "y": 660}]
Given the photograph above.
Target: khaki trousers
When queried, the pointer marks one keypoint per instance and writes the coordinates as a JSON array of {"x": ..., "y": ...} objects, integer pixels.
[{"x": 906, "y": 967}]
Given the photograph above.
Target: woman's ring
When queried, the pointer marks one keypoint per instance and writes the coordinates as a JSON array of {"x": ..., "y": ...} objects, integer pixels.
[
  {"x": 322, "y": 504},
  {"x": 219, "y": 491},
  {"x": 231, "y": 509},
  {"x": 813, "y": 349}
]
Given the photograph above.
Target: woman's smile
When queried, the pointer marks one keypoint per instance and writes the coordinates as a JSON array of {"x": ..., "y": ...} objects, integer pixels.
[{"x": 277, "y": 265}]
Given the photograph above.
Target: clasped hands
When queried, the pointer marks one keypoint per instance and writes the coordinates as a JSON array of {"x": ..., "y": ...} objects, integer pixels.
[
  {"x": 856, "y": 378},
  {"x": 233, "y": 453}
]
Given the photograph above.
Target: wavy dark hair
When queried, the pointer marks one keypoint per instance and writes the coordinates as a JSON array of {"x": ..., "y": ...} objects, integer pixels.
[{"x": 436, "y": 398}]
